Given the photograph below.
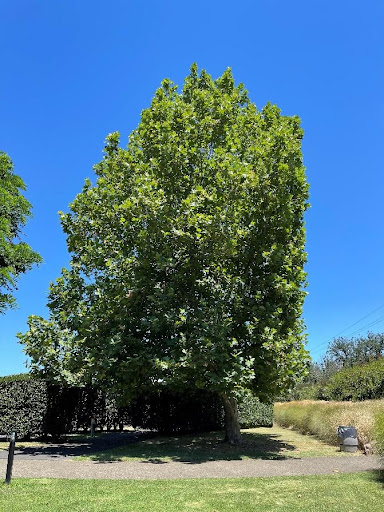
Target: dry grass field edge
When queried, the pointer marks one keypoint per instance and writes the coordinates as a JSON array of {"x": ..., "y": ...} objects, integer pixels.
[{"x": 321, "y": 419}]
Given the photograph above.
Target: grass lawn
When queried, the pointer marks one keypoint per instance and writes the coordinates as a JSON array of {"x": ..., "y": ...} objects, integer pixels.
[
  {"x": 334, "y": 493},
  {"x": 260, "y": 443}
]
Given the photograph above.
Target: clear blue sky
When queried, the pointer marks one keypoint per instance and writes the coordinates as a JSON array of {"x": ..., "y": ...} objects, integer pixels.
[{"x": 73, "y": 71}]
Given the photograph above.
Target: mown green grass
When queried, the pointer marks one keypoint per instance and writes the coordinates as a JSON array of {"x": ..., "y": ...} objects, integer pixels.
[
  {"x": 259, "y": 443},
  {"x": 331, "y": 493}
]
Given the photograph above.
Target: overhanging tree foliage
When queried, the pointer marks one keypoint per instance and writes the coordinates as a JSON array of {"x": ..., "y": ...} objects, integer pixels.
[
  {"x": 187, "y": 254},
  {"x": 16, "y": 257}
]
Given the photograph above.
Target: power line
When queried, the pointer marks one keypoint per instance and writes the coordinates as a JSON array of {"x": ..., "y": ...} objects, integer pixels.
[
  {"x": 352, "y": 325},
  {"x": 377, "y": 321},
  {"x": 369, "y": 325}
]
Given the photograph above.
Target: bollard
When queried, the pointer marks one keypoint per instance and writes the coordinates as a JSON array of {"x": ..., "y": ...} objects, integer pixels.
[{"x": 11, "y": 454}]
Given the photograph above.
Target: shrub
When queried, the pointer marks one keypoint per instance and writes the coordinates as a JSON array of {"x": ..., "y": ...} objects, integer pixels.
[
  {"x": 303, "y": 391},
  {"x": 322, "y": 418},
  {"x": 23, "y": 403},
  {"x": 364, "y": 382},
  {"x": 71, "y": 409},
  {"x": 379, "y": 432},
  {"x": 252, "y": 412},
  {"x": 17, "y": 376}
]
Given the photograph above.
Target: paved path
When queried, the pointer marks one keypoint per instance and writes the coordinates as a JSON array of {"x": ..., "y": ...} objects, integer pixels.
[{"x": 69, "y": 468}]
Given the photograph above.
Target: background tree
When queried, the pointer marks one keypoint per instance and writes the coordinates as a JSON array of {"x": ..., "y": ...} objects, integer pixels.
[
  {"x": 16, "y": 257},
  {"x": 332, "y": 378},
  {"x": 345, "y": 352},
  {"x": 370, "y": 348},
  {"x": 187, "y": 255}
]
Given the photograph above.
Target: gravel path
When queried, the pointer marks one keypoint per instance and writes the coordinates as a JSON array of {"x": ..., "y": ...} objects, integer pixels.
[
  {"x": 50, "y": 451},
  {"x": 56, "y": 461},
  {"x": 69, "y": 468}
]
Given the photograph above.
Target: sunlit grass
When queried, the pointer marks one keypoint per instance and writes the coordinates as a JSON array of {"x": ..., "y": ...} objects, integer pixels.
[
  {"x": 259, "y": 443},
  {"x": 4, "y": 445},
  {"x": 330, "y": 493}
]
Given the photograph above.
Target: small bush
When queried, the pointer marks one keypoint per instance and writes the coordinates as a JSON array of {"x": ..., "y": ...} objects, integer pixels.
[
  {"x": 252, "y": 412},
  {"x": 322, "y": 418}
]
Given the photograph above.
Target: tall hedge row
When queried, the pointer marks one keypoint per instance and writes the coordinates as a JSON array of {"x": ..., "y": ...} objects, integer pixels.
[
  {"x": 34, "y": 407},
  {"x": 23, "y": 406},
  {"x": 195, "y": 411},
  {"x": 171, "y": 412}
]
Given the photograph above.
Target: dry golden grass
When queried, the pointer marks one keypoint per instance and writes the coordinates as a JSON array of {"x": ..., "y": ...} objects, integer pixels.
[{"x": 322, "y": 418}]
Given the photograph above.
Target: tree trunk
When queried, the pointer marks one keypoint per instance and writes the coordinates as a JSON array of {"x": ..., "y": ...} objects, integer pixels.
[{"x": 232, "y": 427}]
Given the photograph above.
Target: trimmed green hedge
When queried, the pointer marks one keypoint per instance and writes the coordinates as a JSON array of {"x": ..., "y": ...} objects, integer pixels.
[
  {"x": 17, "y": 376},
  {"x": 195, "y": 411},
  {"x": 34, "y": 407},
  {"x": 364, "y": 382},
  {"x": 172, "y": 412},
  {"x": 23, "y": 405}
]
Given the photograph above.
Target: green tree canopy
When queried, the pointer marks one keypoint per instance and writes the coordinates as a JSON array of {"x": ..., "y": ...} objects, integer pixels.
[
  {"x": 187, "y": 254},
  {"x": 16, "y": 257},
  {"x": 345, "y": 352}
]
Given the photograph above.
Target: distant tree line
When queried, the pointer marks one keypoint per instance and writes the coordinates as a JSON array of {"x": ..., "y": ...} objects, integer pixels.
[
  {"x": 347, "y": 362},
  {"x": 347, "y": 352}
]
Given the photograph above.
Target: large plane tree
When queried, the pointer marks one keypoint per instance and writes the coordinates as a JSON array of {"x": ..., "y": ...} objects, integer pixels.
[{"x": 187, "y": 254}]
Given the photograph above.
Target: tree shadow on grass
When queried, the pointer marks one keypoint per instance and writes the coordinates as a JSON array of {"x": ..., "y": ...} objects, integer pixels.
[
  {"x": 85, "y": 446},
  {"x": 196, "y": 449}
]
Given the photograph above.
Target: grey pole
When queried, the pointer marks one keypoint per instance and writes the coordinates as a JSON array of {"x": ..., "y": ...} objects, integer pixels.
[
  {"x": 93, "y": 423},
  {"x": 11, "y": 454}
]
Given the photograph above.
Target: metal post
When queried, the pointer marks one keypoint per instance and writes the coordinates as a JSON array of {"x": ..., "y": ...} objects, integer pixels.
[
  {"x": 93, "y": 423},
  {"x": 11, "y": 454}
]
